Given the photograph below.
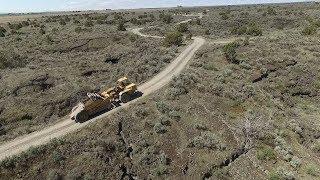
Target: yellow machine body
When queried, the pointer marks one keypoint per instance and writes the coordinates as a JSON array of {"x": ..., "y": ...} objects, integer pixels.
[{"x": 123, "y": 92}]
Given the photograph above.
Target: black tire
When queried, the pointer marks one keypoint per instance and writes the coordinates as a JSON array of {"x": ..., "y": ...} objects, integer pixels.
[
  {"x": 125, "y": 97},
  {"x": 82, "y": 116}
]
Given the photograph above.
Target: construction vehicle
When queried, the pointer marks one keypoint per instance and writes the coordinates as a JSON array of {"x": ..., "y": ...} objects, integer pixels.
[{"x": 95, "y": 103}]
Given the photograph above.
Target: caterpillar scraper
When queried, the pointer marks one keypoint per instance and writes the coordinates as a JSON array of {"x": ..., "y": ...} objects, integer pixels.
[{"x": 95, "y": 103}]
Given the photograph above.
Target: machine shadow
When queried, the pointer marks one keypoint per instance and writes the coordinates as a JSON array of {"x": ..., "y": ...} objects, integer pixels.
[{"x": 117, "y": 104}]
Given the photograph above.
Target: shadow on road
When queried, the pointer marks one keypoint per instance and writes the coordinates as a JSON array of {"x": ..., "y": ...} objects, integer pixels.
[{"x": 116, "y": 104}]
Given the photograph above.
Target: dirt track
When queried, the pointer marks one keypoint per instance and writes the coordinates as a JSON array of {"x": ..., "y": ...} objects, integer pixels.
[{"x": 66, "y": 126}]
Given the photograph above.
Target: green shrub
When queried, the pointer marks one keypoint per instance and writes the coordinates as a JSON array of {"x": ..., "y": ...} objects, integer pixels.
[
  {"x": 159, "y": 128},
  {"x": 254, "y": 30},
  {"x": 56, "y": 142},
  {"x": 165, "y": 121},
  {"x": 89, "y": 23},
  {"x": 209, "y": 66},
  {"x": 309, "y": 30},
  {"x": 225, "y": 14},
  {"x": 174, "y": 115},
  {"x": 175, "y": 92},
  {"x": 75, "y": 21},
  {"x": 274, "y": 176},
  {"x": 251, "y": 29},
  {"x": 121, "y": 27},
  {"x": 54, "y": 175},
  {"x": 54, "y": 30},
  {"x": 312, "y": 170},
  {"x": 163, "y": 107},
  {"x": 9, "y": 162},
  {"x": 316, "y": 147},
  {"x": 151, "y": 16},
  {"x": 173, "y": 38},
  {"x": 135, "y": 21},
  {"x": 198, "y": 21},
  {"x": 78, "y": 29},
  {"x": 180, "y": 85},
  {"x": 230, "y": 52},
  {"x": 14, "y": 32},
  {"x": 183, "y": 28},
  {"x": 207, "y": 140},
  {"x": 26, "y": 117},
  {"x": 221, "y": 173},
  {"x": 2, "y": 34},
  {"x": 239, "y": 30},
  {"x": 49, "y": 19},
  {"x": 143, "y": 16},
  {"x": 189, "y": 36},
  {"x": 281, "y": 174},
  {"x": 15, "y": 26},
  {"x": 142, "y": 112},
  {"x": 133, "y": 37},
  {"x": 164, "y": 159},
  {"x": 161, "y": 170},
  {"x": 34, "y": 23},
  {"x": 166, "y": 18},
  {"x": 100, "y": 21},
  {"x": 316, "y": 23},
  {"x": 295, "y": 162},
  {"x": 74, "y": 174},
  {"x": 2, "y": 30},
  {"x": 207, "y": 32},
  {"x": 57, "y": 158},
  {"x": 67, "y": 19},
  {"x": 2, "y": 127},
  {"x": 62, "y": 22},
  {"x": 118, "y": 17},
  {"x": 42, "y": 31},
  {"x": 25, "y": 23},
  {"x": 11, "y": 59},
  {"x": 281, "y": 22},
  {"x": 270, "y": 11},
  {"x": 266, "y": 153},
  {"x": 246, "y": 41},
  {"x": 201, "y": 126},
  {"x": 34, "y": 151},
  {"x": 49, "y": 39}
]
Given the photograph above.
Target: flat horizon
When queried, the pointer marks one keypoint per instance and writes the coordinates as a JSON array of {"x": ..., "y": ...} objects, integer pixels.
[{"x": 158, "y": 7}]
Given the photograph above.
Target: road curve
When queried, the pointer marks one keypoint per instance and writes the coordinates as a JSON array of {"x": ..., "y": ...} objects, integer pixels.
[
  {"x": 66, "y": 126},
  {"x": 137, "y": 32}
]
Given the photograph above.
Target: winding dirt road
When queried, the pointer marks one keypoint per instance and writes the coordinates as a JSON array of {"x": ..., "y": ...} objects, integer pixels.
[{"x": 66, "y": 126}]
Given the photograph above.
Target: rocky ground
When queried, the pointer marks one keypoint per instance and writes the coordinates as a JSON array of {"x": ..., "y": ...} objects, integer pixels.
[
  {"x": 246, "y": 110},
  {"x": 50, "y": 63}
]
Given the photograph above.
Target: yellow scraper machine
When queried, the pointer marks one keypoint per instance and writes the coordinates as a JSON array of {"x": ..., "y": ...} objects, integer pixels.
[{"x": 123, "y": 92}]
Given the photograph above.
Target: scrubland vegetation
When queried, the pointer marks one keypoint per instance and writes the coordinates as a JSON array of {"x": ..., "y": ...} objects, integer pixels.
[
  {"x": 49, "y": 63},
  {"x": 246, "y": 109}
]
